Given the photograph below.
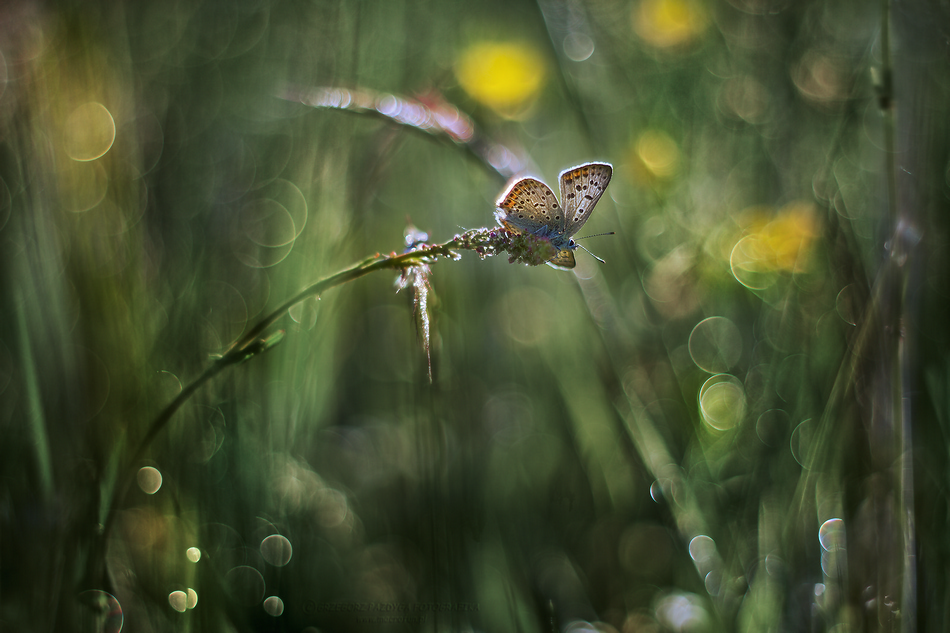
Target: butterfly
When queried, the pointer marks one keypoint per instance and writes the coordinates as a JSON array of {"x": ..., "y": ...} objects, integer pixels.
[{"x": 529, "y": 206}]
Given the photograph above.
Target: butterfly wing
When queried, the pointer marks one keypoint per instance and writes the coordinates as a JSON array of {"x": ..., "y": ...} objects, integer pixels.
[
  {"x": 581, "y": 188},
  {"x": 529, "y": 206}
]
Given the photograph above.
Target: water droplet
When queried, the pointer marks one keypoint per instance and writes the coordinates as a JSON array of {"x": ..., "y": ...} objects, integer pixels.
[
  {"x": 274, "y": 606},
  {"x": 722, "y": 402},
  {"x": 149, "y": 480},
  {"x": 578, "y": 47},
  {"x": 178, "y": 601},
  {"x": 276, "y": 550},
  {"x": 715, "y": 344}
]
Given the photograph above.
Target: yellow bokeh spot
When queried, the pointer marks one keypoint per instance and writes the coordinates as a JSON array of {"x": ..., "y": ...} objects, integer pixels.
[
  {"x": 668, "y": 23},
  {"x": 89, "y": 133},
  {"x": 780, "y": 241},
  {"x": 656, "y": 156},
  {"x": 722, "y": 402},
  {"x": 791, "y": 234},
  {"x": 504, "y": 76}
]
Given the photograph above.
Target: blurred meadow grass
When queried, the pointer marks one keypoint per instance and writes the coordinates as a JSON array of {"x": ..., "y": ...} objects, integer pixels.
[{"x": 738, "y": 423}]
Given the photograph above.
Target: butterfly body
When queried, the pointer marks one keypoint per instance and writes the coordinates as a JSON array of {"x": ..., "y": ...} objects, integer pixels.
[{"x": 529, "y": 206}]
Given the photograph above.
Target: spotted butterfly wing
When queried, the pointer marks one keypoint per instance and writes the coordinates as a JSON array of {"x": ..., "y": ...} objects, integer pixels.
[
  {"x": 581, "y": 188},
  {"x": 529, "y": 206}
]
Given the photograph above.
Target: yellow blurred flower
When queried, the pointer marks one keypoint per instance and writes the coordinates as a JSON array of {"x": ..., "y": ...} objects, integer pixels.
[
  {"x": 779, "y": 242},
  {"x": 504, "y": 76},
  {"x": 655, "y": 157},
  {"x": 668, "y": 23}
]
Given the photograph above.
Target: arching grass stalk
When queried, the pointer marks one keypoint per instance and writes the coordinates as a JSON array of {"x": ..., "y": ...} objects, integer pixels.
[{"x": 413, "y": 266}]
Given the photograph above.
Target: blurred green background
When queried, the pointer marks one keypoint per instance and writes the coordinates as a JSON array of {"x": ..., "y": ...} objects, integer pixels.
[{"x": 738, "y": 423}]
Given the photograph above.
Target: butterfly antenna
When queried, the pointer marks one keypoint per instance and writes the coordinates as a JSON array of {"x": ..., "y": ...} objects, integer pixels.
[
  {"x": 595, "y": 235},
  {"x": 591, "y": 254},
  {"x": 588, "y": 252}
]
